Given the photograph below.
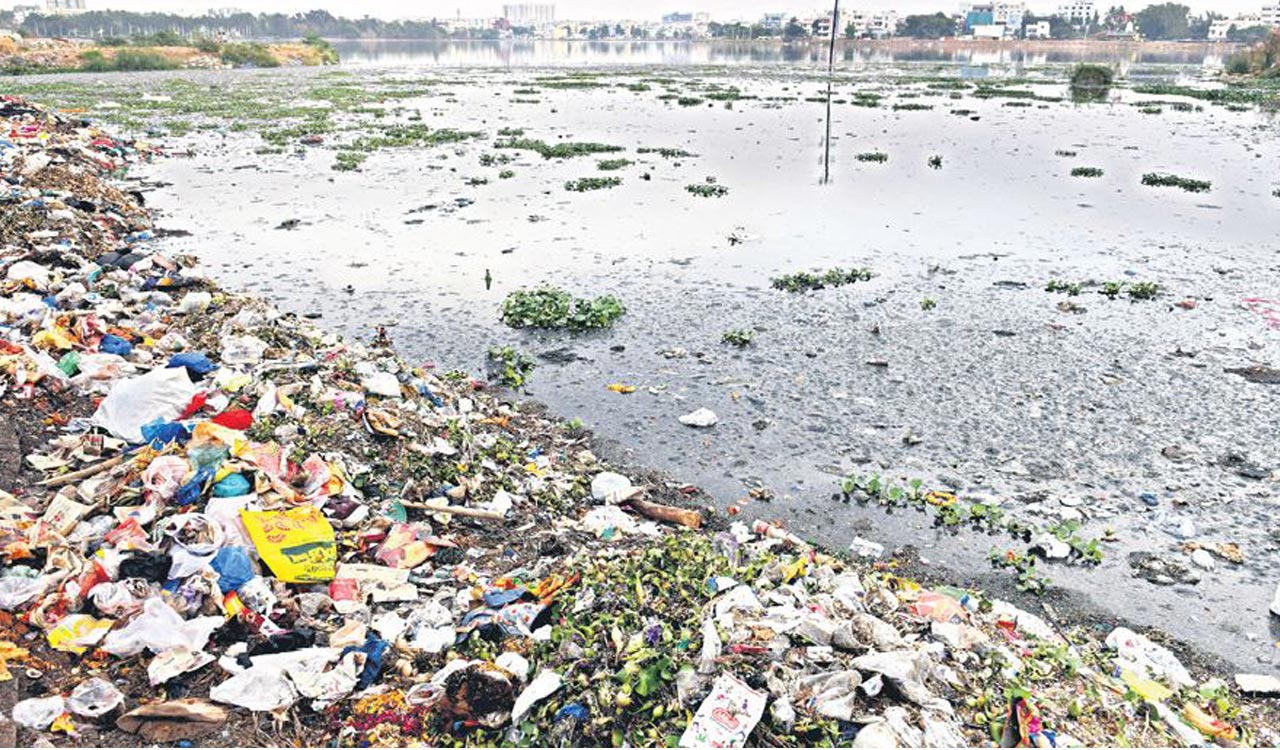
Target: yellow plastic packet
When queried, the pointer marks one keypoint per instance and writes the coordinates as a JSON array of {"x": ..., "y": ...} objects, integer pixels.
[
  {"x": 297, "y": 544},
  {"x": 76, "y": 633}
]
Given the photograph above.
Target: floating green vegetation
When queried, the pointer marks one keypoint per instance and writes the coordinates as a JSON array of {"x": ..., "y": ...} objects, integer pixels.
[
  {"x": 1151, "y": 110},
  {"x": 613, "y": 165},
  {"x": 949, "y": 85},
  {"x": 477, "y": 181},
  {"x": 728, "y": 95},
  {"x": 911, "y": 107},
  {"x": 569, "y": 83},
  {"x": 1137, "y": 291},
  {"x": 1230, "y": 95},
  {"x": 638, "y": 87},
  {"x": 1091, "y": 83},
  {"x": 739, "y": 337},
  {"x": 349, "y": 161},
  {"x": 690, "y": 101},
  {"x": 509, "y": 366},
  {"x": 862, "y": 99},
  {"x": 1071, "y": 289},
  {"x": 506, "y": 174},
  {"x": 1017, "y": 104},
  {"x": 511, "y": 132},
  {"x": 411, "y": 135},
  {"x": 550, "y": 307},
  {"x": 935, "y": 161},
  {"x": 1030, "y": 580},
  {"x": 666, "y": 153},
  {"x": 953, "y": 512},
  {"x": 707, "y": 190},
  {"x": 1154, "y": 179},
  {"x": 527, "y": 92},
  {"x": 806, "y": 282},
  {"x": 1144, "y": 290},
  {"x": 1065, "y": 153},
  {"x": 878, "y": 157},
  {"x": 311, "y": 126},
  {"x": 928, "y": 304},
  {"x": 1276, "y": 193},
  {"x": 584, "y": 184},
  {"x": 493, "y": 160},
  {"x": 565, "y": 150},
  {"x": 1086, "y": 172}
]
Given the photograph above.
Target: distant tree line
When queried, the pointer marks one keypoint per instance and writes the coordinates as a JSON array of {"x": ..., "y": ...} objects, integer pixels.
[{"x": 127, "y": 25}]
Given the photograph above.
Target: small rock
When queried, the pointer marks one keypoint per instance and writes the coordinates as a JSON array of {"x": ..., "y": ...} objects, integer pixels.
[{"x": 701, "y": 418}]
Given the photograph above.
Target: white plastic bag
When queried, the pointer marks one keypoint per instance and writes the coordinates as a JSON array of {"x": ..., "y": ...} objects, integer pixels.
[
  {"x": 160, "y": 628},
  {"x": 39, "y": 713},
  {"x": 160, "y": 394}
]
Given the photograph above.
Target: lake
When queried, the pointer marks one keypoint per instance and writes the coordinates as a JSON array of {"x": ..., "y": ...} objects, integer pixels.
[{"x": 520, "y": 54}]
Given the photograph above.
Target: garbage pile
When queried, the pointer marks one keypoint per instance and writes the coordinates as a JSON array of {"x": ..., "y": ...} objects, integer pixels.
[{"x": 244, "y": 529}]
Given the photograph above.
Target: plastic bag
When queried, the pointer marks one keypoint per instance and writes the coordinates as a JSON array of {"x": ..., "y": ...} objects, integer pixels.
[
  {"x": 234, "y": 568},
  {"x": 297, "y": 544},
  {"x": 164, "y": 475},
  {"x": 159, "y": 394},
  {"x": 39, "y": 713},
  {"x": 76, "y": 633},
  {"x": 727, "y": 717},
  {"x": 160, "y": 628},
  {"x": 94, "y": 697}
]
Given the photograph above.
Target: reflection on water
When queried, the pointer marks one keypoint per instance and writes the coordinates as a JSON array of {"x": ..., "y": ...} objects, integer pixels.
[{"x": 547, "y": 52}]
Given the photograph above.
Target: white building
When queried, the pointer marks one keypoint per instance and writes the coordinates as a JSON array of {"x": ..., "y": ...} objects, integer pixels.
[
  {"x": 1038, "y": 30},
  {"x": 530, "y": 15},
  {"x": 1271, "y": 14},
  {"x": 1010, "y": 14},
  {"x": 875, "y": 24},
  {"x": 63, "y": 7},
  {"x": 1218, "y": 30},
  {"x": 1078, "y": 12}
]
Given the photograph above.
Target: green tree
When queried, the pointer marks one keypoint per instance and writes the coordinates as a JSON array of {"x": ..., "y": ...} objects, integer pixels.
[
  {"x": 1165, "y": 21},
  {"x": 934, "y": 26},
  {"x": 794, "y": 30}
]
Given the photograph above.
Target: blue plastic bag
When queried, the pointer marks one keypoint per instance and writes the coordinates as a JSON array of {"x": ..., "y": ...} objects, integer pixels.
[
  {"x": 160, "y": 433},
  {"x": 232, "y": 485},
  {"x": 112, "y": 344},
  {"x": 198, "y": 364},
  {"x": 234, "y": 568}
]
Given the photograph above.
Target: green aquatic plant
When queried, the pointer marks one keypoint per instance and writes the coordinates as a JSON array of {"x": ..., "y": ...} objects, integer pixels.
[
  {"x": 666, "y": 153},
  {"x": 348, "y": 161},
  {"x": 707, "y": 190},
  {"x": 928, "y": 304},
  {"x": 1154, "y": 179},
  {"x": 689, "y": 101},
  {"x": 551, "y": 307},
  {"x": 506, "y": 174},
  {"x": 806, "y": 282},
  {"x": 1144, "y": 290},
  {"x": 1071, "y": 289},
  {"x": 1112, "y": 289},
  {"x": 1086, "y": 172},
  {"x": 739, "y": 337},
  {"x": 911, "y": 107},
  {"x": 565, "y": 150},
  {"x": 511, "y": 367},
  {"x": 935, "y": 161},
  {"x": 878, "y": 157},
  {"x": 585, "y": 184},
  {"x": 611, "y": 165},
  {"x": 1091, "y": 82},
  {"x": 1065, "y": 153}
]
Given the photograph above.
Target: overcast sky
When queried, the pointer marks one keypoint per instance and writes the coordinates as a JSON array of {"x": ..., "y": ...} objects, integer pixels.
[{"x": 583, "y": 9}]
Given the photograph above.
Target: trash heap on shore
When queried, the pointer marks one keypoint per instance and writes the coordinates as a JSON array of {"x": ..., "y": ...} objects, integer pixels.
[{"x": 229, "y": 527}]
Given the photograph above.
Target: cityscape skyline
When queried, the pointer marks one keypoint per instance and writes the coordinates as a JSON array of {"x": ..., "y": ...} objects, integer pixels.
[{"x": 592, "y": 9}]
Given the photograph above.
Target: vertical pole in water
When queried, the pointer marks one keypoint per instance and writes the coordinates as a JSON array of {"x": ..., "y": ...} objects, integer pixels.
[{"x": 831, "y": 67}]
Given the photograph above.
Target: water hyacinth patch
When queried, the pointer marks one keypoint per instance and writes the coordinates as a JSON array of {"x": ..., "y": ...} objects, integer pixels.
[
  {"x": 1154, "y": 179},
  {"x": 558, "y": 151},
  {"x": 551, "y": 307},
  {"x": 878, "y": 157},
  {"x": 510, "y": 366},
  {"x": 805, "y": 281},
  {"x": 592, "y": 183},
  {"x": 1086, "y": 172},
  {"x": 707, "y": 190},
  {"x": 612, "y": 165},
  {"x": 739, "y": 337}
]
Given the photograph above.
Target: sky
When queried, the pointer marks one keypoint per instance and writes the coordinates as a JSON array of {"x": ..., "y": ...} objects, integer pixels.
[{"x": 589, "y": 9}]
